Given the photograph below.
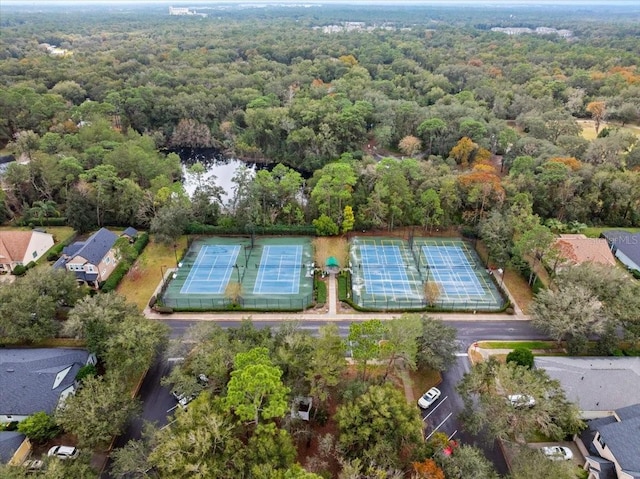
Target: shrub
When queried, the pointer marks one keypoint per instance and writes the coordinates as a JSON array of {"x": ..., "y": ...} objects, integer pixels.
[
  {"x": 31, "y": 264},
  {"x": 153, "y": 301},
  {"x": 39, "y": 427},
  {"x": 163, "y": 309},
  {"x": 53, "y": 256},
  {"x": 635, "y": 273},
  {"x": 521, "y": 356},
  {"x": 86, "y": 370},
  {"x": 19, "y": 270}
]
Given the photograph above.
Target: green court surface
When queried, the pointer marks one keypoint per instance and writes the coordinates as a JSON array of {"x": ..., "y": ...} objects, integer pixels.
[
  {"x": 391, "y": 274},
  {"x": 274, "y": 274}
]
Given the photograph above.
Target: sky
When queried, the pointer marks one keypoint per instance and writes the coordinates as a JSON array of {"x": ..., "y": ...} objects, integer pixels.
[{"x": 387, "y": 2}]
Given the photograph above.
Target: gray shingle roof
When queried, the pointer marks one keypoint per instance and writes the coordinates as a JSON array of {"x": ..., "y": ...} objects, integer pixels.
[
  {"x": 627, "y": 243},
  {"x": 97, "y": 245},
  {"x": 623, "y": 439},
  {"x": 588, "y": 382},
  {"x": 9, "y": 442},
  {"x": 27, "y": 377},
  {"x": 131, "y": 232}
]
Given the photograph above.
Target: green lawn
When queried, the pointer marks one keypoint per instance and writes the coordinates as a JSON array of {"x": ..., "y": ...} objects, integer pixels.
[
  {"x": 517, "y": 344},
  {"x": 594, "y": 232}
]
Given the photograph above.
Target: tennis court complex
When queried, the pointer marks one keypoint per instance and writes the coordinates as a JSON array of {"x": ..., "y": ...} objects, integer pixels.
[
  {"x": 260, "y": 273},
  {"x": 394, "y": 274}
]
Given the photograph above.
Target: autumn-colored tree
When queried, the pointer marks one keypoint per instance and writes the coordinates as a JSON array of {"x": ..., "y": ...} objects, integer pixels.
[
  {"x": 483, "y": 188},
  {"x": 598, "y": 111},
  {"x": 463, "y": 151},
  {"x": 427, "y": 469},
  {"x": 233, "y": 292},
  {"x": 573, "y": 163},
  {"x": 432, "y": 292},
  {"x": 410, "y": 145}
]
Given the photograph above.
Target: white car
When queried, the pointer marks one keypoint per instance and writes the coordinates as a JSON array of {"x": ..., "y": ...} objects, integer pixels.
[
  {"x": 521, "y": 400},
  {"x": 557, "y": 453},
  {"x": 429, "y": 398},
  {"x": 182, "y": 399},
  {"x": 63, "y": 452}
]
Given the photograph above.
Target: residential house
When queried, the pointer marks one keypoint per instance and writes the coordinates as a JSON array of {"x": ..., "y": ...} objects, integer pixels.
[
  {"x": 10, "y": 442},
  {"x": 590, "y": 382},
  {"x": 33, "y": 380},
  {"x": 92, "y": 260},
  {"x": 578, "y": 249},
  {"x": 612, "y": 445},
  {"x": 626, "y": 247},
  {"x": 22, "y": 247}
]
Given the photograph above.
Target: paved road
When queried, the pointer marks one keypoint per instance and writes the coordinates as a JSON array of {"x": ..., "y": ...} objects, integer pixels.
[{"x": 158, "y": 401}]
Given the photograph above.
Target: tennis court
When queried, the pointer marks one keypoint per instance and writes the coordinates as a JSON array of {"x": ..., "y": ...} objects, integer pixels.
[
  {"x": 259, "y": 273},
  {"x": 455, "y": 267},
  {"x": 279, "y": 270},
  {"x": 384, "y": 275},
  {"x": 212, "y": 270}
]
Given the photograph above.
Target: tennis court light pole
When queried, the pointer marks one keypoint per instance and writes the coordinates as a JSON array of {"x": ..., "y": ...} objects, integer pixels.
[{"x": 175, "y": 254}]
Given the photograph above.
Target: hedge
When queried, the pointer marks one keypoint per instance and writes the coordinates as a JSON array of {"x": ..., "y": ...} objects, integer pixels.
[
  {"x": 116, "y": 276},
  {"x": 37, "y": 222},
  {"x": 56, "y": 250},
  {"x": 201, "y": 229}
]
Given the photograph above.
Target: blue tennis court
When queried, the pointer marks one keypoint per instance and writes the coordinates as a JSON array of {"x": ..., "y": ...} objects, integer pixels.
[
  {"x": 279, "y": 270},
  {"x": 384, "y": 270},
  {"x": 449, "y": 266},
  {"x": 211, "y": 270}
]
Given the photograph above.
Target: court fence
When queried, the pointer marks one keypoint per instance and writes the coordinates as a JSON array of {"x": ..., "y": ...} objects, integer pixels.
[{"x": 269, "y": 304}]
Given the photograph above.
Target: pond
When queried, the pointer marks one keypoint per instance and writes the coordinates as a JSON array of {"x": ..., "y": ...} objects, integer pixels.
[{"x": 216, "y": 165}]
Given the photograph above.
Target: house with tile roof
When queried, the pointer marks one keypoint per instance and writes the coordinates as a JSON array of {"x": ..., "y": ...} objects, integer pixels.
[
  {"x": 626, "y": 247},
  {"x": 612, "y": 445},
  {"x": 22, "y": 247},
  {"x": 33, "y": 380},
  {"x": 92, "y": 260},
  {"x": 577, "y": 249}
]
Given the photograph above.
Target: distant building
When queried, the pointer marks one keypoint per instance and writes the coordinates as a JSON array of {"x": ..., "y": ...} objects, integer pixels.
[{"x": 180, "y": 11}]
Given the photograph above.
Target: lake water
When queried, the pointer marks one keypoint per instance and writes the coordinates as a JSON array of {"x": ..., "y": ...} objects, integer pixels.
[{"x": 216, "y": 165}]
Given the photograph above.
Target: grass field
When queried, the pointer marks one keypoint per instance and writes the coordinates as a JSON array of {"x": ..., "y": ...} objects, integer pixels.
[
  {"x": 145, "y": 275},
  {"x": 589, "y": 129}
]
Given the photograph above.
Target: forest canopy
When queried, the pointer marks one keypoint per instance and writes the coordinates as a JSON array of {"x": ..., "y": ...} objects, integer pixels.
[{"x": 439, "y": 119}]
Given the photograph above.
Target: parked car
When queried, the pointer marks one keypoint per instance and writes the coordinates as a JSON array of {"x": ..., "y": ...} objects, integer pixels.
[
  {"x": 557, "y": 453},
  {"x": 182, "y": 399},
  {"x": 33, "y": 465},
  {"x": 521, "y": 400},
  {"x": 429, "y": 398},
  {"x": 64, "y": 452}
]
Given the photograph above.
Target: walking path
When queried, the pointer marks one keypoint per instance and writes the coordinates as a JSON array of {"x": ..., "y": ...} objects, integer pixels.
[{"x": 333, "y": 313}]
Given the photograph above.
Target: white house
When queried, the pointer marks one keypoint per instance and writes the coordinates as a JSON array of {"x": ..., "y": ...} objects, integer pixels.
[{"x": 22, "y": 247}]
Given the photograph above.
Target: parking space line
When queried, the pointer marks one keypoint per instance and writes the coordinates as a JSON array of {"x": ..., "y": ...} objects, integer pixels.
[
  {"x": 436, "y": 429},
  {"x": 434, "y": 409},
  {"x": 453, "y": 434}
]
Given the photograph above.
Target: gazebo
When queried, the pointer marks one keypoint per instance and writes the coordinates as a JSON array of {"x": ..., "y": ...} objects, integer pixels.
[{"x": 332, "y": 265}]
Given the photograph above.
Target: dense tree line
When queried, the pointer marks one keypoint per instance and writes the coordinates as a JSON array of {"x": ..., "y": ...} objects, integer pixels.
[{"x": 451, "y": 95}]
